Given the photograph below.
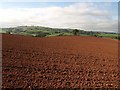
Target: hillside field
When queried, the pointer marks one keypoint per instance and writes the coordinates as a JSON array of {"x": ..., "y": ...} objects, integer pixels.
[{"x": 59, "y": 62}]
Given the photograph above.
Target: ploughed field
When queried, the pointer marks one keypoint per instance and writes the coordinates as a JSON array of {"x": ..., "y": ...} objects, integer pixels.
[{"x": 59, "y": 62}]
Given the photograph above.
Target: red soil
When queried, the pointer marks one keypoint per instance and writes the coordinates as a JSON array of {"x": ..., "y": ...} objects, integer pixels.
[{"x": 64, "y": 62}]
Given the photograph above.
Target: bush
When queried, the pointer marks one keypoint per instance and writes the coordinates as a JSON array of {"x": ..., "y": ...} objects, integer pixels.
[
  {"x": 76, "y": 32},
  {"x": 95, "y": 35},
  {"x": 117, "y": 37},
  {"x": 42, "y": 34},
  {"x": 8, "y": 32},
  {"x": 61, "y": 34}
]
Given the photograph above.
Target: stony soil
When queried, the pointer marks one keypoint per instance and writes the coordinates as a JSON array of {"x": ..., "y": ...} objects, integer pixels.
[{"x": 59, "y": 62}]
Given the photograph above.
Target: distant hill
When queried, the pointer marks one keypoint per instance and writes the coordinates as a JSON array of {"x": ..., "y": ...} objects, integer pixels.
[{"x": 39, "y": 31}]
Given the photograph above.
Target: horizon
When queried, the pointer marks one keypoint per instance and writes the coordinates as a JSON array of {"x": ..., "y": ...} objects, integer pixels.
[
  {"x": 63, "y": 28},
  {"x": 95, "y": 16}
]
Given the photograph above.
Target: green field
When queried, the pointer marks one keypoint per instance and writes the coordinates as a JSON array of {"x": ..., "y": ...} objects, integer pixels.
[
  {"x": 109, "y": 35},
  {"x": 1, "y": 31}
]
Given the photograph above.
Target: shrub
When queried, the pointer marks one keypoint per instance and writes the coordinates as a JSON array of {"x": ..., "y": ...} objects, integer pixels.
[
  {"x": 8, "y": 32},
  {"x": 76, "y": 32},
  {"x": 61, "y": 34},
  {"x": 42, "y": 34},
  {"x": 96, "y": 35},
  {"x": 118, "y": 37}
]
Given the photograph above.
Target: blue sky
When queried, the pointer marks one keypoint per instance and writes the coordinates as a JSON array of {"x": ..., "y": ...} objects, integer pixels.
[
  {"x": 33, "y": 4},
  {"x": 46, "y": 4},
  {"x": 74, "y": 14},
  {"x": 60, "y": 1}
]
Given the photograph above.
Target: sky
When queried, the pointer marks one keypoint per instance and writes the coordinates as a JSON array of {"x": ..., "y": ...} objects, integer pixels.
[{"x": 91, "y": 16}]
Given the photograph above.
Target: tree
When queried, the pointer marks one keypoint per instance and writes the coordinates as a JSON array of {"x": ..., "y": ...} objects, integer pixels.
[
  {"x": 76, "y": 32},
  {"x": 42, "y": 34},
  {"x": 117, "y": 37},
  {"x": 8, "y": 32},
  {"x": 96, "y": 35}
]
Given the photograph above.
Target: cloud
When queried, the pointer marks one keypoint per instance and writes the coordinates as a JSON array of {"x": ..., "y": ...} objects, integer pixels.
[{"x": 86, "y": 16}]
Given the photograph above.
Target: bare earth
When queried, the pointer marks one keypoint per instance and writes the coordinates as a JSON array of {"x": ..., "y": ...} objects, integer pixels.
[{"x": 64, "y": 62}]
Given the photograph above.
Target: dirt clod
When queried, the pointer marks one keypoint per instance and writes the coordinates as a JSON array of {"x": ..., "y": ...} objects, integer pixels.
[{"x": 59, "y": 62}]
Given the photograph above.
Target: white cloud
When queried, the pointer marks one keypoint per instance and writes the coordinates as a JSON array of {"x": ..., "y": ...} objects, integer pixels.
[{"x": 80, "y": 15}]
